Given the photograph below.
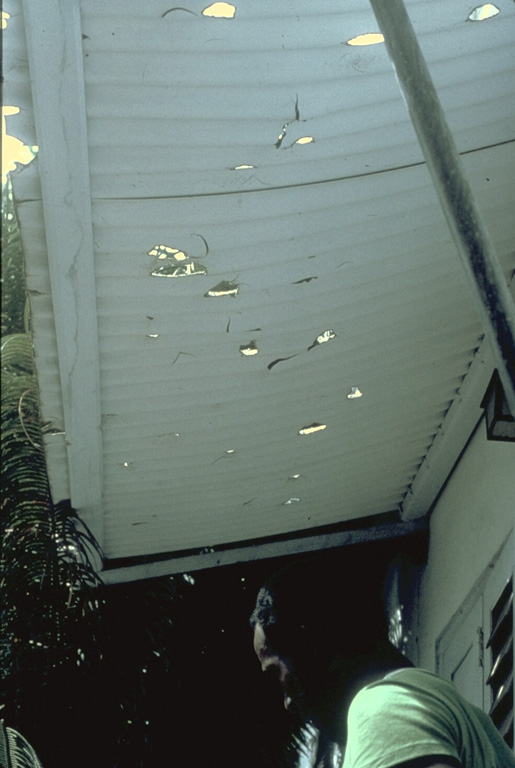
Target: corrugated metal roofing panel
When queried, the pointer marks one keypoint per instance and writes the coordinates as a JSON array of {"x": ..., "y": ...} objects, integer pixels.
[{"x": 341, "y": 235}]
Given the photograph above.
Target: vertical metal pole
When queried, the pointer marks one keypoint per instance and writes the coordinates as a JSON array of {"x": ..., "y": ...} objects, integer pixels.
[{"x": 473, "y": 241}]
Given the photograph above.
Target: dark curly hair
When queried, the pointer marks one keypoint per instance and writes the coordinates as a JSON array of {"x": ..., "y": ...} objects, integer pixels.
[
  {"x": 334, "y": 605},
  {"x": 318, "y": 609}
]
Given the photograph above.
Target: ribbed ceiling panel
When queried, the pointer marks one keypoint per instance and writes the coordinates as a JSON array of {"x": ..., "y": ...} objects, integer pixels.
[{"x": 341, "y": 236}]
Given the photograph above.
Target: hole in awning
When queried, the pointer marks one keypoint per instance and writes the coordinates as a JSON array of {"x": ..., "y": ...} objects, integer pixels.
[
  {"x": 242, "y": 167},
  {"x": 291, "y": 500},
  {"x": 281, "y": 136},
  {"x": 220, "y": 11},
  {"x": 305, "y": 140},
  {"x": 249, "y": 350},
  {"x": 176, "y": 263},
  {"x": 295, "y": 119},
  {"x": 323, "y": 338},
  {"x": 5, "y": 17},
  {"x": 371, "y": 38},
  {"x": 295, "y": 476},
  {"x": 312, "y": 429},
  {"x": 483, "y": 12},
  {"x": 166, "y": 252},
  {"x": 226, "y": 455},
  {"x": 224, "y": 288},
  {"x": 354, "y": 393},
  {"x": 152, "y": 336},
  {"x": 179, "y": 270}
]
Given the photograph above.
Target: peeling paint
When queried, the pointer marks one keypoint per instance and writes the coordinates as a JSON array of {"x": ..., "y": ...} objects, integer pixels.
[
  {"x": 227, "y": 455},
  {"x": 189, "y": 354},
  {"x": 296, "y": 119},
  {"x": 280, "y": 360},
  {"x": 195, "y": 234},
  {"x": 171, "y": 10}
]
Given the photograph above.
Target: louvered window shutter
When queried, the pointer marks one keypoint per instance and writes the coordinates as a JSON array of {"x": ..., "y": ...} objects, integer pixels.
[{"x": 500, "y": 679}]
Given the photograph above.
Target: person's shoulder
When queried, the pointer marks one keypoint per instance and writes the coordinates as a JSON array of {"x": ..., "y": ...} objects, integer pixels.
[
  {"x": 409, "y": 677},
  {"x": 416, "y": 678},
  {"x": 400, "y": 688}
]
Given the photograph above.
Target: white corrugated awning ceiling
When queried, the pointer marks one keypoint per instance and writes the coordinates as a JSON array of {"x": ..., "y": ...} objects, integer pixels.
[{"x": 231, "y": 236}]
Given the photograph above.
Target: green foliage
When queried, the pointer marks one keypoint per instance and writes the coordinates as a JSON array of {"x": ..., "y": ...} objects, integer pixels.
[
  {"x": 48, "y": 583},
  {"x": 64, "y": 657},
  {"x": 13, "y": 291}
]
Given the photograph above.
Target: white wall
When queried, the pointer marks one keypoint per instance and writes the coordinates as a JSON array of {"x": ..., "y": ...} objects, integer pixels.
[{"x": 469, "y": 524}]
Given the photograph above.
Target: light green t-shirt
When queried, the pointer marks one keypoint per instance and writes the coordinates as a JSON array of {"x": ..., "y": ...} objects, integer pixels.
[{"x": 412, "y": 713}]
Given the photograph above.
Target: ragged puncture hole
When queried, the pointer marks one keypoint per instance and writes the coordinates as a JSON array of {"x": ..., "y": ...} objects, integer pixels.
[
  {"x": 249, "y": 350},
  {"x": 166, "y": 252},
  {"x": 323, "y": 338},
  {"x": 176, "y": 263},
  {"x": 179, "y": 270},
  {"x": 220, "y": 11},
  {"x": 224, "y": 288},
  {"x": 371, "y": 38},
  {"x": 305, "y": 140},
  {"x": 483, "y": 12},
  {"x": 312, "y": 428}
]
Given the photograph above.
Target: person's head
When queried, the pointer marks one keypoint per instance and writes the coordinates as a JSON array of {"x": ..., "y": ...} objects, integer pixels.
[{"x": 317, "y": 627}]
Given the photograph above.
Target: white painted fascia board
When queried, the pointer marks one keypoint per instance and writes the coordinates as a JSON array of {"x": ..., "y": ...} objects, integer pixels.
[
  {"x": 459, "y": 423},
  {"x": 54, "y": 44},
  {"x": 262, "y": 551}
]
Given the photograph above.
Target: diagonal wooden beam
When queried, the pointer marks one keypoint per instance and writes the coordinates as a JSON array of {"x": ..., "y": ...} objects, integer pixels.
[{"x": 475, "y": 247}]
